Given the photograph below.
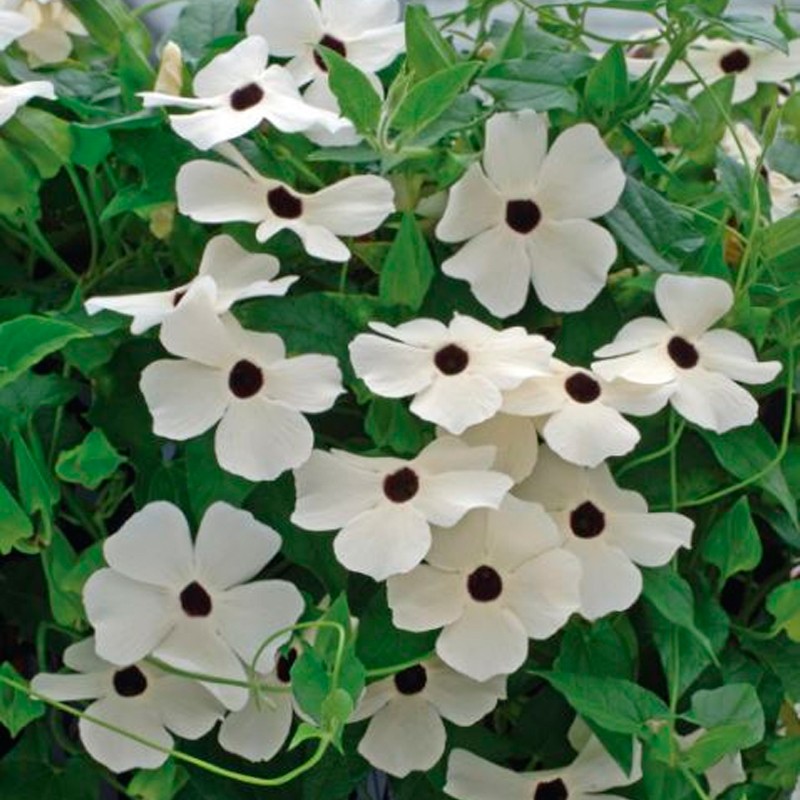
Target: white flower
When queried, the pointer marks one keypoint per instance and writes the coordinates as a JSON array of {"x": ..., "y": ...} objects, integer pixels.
[
  {"x": 406, "y": 731},
  {"x": 51, "y": 23},
  {"x": 212, "y": 192},
  {"x": 784, "y": 195},
  {"x": 242, "y": 380},
  {"x": 456, "y": 373},
  {"x": 189, "y": 604},
  {"x": 236, "y": 275},
  {"x": 13, "y": 97},
  {"x": 385, "y": 506},
  {"x": 236, "y": 92},
  {"x": 607, "y": 528},
  {"x": 700, "y": 365},
  {"x": 138, "y": 698},
  {"x": 496, "y": 580},
  {"x": 749, "y": 63},
  {"x": 590, "y": 775},
  {"x": 584, "y": 423},
  {"x": 728, "y": 771},
  {"x": 526, "y": 215},
  {"x": 13, "y": 24}
]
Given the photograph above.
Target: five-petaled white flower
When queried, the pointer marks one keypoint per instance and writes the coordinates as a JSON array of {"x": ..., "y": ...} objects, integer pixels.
[
  {"x": 496, "y": 580},
  {"x": 385, "y": 506},
  {"x": 406, "y": 731},
  {"x": 456, "y": 373},
  {"x": 50, "y": 24},
  {"x": 236, "y": 92},
  {"x": 209, "y": 191},
  {"x": 138, "y": 698},
  {"x": 700, "y": 365},
  {"x": 607, "y": 528},
  {"x": 13, "y": 97},
  {"x": 749, "y": 63},
  {"x": 188, "y": 604},
  {"x": 584, "y": 422},
  {"x": 237, "y": 275},
  {"x": 242, "y": 380},
  {"x": 526, "y": 213}
]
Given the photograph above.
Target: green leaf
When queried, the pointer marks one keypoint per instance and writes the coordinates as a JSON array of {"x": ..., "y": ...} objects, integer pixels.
[
  {"x": 429, "y": 99},
  {"x": 392, "y": 426},
  {"x": 784, "y": 604},
  {"x": 311, "y": 682},
  {"x": 20, "y": 187},
  {"x": 408, "y": 270},
  {"x": 605, "y": 648},
  {"x": 427, "y": 51},
  {"x": 358, "y": 100},
  {"x": 158, "y": 784},
  {"x": 15, "y": 526},
  {"x": 17, "y": 709},
  {"x": 781, "y": 248},
  {"x": 90, "y": 462},
  {"x": 201, "y": 22},
  {"x": 747, "y": 26},
  {"x": 699, "y": 130},
  {"x": 37, "y": 489},
  {"x": 607, "y": 83},
  {"x": 92, "y": 145},
  {"x": 59, "y": 562},
  {"x": 44, "y": 139},
  {"x": 26, "y": 340},
  {"x": 733, "y": 545}
]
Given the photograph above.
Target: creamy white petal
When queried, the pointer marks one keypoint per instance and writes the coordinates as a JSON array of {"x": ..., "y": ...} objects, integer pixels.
[
  {"x": 517, "y": 532},
  {"x": 457, "y": 401},
  {"x": 692, "y": 304},
  {"x": 445, "y": 498},
  {"x": 516, "y": 440},
  {"x": 72, "y": 687},
  {"x": 713, "y": 401},
  {"x": 147, "y": 309},
  {"x": 650, "y": 367},
  {"x": 377, "y": 48},
  {"x": 473, "y": 778},
  {"x": 352, "y": 207},
  {"x": 319, "y": 242},
  {"x": 237, "y": 67},
  {"x": 82, "y": 657},
  {"x": 537, "y": 396},
  {"x": 421, "y": 332},
  {"x": 473, "y": 206},
  {"x": 391, "y": 369},
  {"x": 462, "y": 547},
  {"x": 730, "y": 353},
  {"x": 637, "y": 399},
  {"x": 638, "y": 334},
  {"x": 211, "y": 192},
  {"x": 309, "y": 383},
  {"x": 12, "y": 26},
  {"x": 12, "y": 97},
  {"x": 350, "y": 17},
  {"x": 516, "y": 143},
  {"x": 555, "y": 483},
  {"x": 594, "y": 770},
  {"x": 649, "y": 539},
  {"x": 186, "y": 708},
  {"x": 288, "y": 29},
  {"x": 459, "y": 699},
  {"x": 447, "y": 453},
  {"x": 426, "y": 598},
  {"x": 260, "y": 729}
]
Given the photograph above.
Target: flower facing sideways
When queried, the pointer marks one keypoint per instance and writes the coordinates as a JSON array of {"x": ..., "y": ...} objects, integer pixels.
[
  {"x": 138, "y": 698},
  {"x": 243, "y": 381},
  {"x": 497, "y": 579},
  {"x": 607, "y": 528},
  {"x": 189, "y": 604},
  {"x": 456, "y": 373},
  {"x": 209, "y": 191},
  {"x": 385, "y": 506},
  {"x": 14, "y": 97},
  {"x": 701, "y": 366},
  {"x": 236, "y": 273},
  {"x": 406, "y": 731},
  {"x": 236, "y": 92},
  {"x": 525, "y": 215}
]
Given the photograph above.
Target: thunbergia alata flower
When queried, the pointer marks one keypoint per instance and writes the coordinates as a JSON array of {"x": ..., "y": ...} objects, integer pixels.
[
  {"x": 701, "y": 366},
  {"x": 237, "y": 275},
  {"x": 14, "y": 97},
  {"x": 406, "y": 732},
  {"x": 385, "y": 506},
  {"x": 242, "y": 380},
  {"x": 496, "y": 580},
  {"x": 235, "y": 93},
  {"x": 609, "y": 529},
  {"x": 525, "y": 214},
  {"x": 189, "y": 604},
  {"x": 138, "y": 698},
  {"x": 456, "y": 373},
  {"x": 51, "y": 23}
]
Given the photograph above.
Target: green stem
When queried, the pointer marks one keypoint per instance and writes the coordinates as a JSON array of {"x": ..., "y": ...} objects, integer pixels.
[
  {"x": 699, "y": 791},
  {"x": 656, "y": 454},
  {"x": 382, "y": 672},
  {"x": 45, "y": 249},
  {"x": 89, "y": 215}
]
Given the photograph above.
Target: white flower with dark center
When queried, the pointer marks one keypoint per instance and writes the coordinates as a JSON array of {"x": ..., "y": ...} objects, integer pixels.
[
  {"x": 496, "y": 580},
  {"x": 236, "y": 92},
  {"x": 749, "y": 63},
  {"x": 14, "y": 97},
  {"x": 209, "y": 191},
  {"x": 525, "y": 214},
  {"x": 13, "y": 24},
  {"x": 385, "y": 506},
  {"x": 456, "y": 373},
  {"x": 607, "y": 528},
  {"x": 51, "y": 25},
  {"x": 701, "y": 366},
  {"x": 406, "y": 732},
  {"x": 591, "y": 775},
  {"x": 242, "y": 380},
  {"x": 584, "y": 422},
  {"x": 189, "y": 604},
  {"x": 138, "y": 698},
  {"x": 236, "y": 275}
]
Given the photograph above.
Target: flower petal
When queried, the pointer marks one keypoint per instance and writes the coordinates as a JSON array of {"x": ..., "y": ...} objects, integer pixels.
[
  {"x": 186, "y": 708},
  {"x": 309, "y": 383},
  {"x": 519, "y": 531},
  {"x": 638, "y": 334},
  {"x": 731, "y": 354},
  {"x": 212, "y": 192},
  {"x": 351, "y": 17},
  {"x": 713, "y": 401},
  {"x": 610, "y": 581},
  {"x": 691, "y": 304},
  {"x": 72, "y": 687},
  {"x": 472, "y": 778},
  {"x": 516, "y": 143},
  {"x": 445, "y": 498},
  {"x": 352, "y": 207},
  {"x": 242, "y": 64},
  {"x": 260, "y": 729},
  {"x": 391, "y": 369},
  {"x": 289, "y": 30},
  {"x": 147, "y": 309},
  {"x": 376, "y": 49},
  {"x": 426, "y": 598},
  {"x": 516, "y": 440},
  {"x": 457, "y": 401},
  {"x": 649, "y": 539},
  {"x": 459, "y": 699},
  {"x": 473, "y": 206}
]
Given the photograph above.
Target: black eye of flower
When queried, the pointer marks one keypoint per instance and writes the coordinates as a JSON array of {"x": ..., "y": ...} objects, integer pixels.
[
  {"x": 245, "y": 379},
  {"x": 283, "y": 668},
  {"x": 332, "y": 43},
  {"x": 246, "y": 97},
  {"x": 129, "y": 682},
  {"x": 177, "y": 297},
  {"x": 282, "y": 203},
  {"x": 587, "y": 521},
  {"x": 522, "y": 216},
  {"x": 451, "y": 360},
  {"x": 582, "y": 388},
  {"x": 485, "y": 584},
  {"x": 412, "y": 680},
  {"x": 195, "y": 600},
  {"x": 735, "y": 61},
  {"x": 551, "y": 790},
  {"x": 683, "y": 353},
  {"x": 401, "y": 486}
]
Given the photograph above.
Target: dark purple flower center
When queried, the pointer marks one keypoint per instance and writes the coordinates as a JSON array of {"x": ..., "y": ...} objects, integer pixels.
[
  {"x": 412, "y": 680},
  {"x": 283, "y": 667},
  {"x": 683, "y": 353},
  {"x": 246, "y": 97},
  {"x": 451, "y": 360},
  {"x": 522, "y": 216},
  {"x": 735, "y": 61},
  {"x": 551, "y": 790},
  {"x": 582, "y": 388},
  {"x": 177, "y": 297},
  {"x": 284, "y": 204},
  {"x": 401, "y": 486},
  {"x": 195, "y": 600},
  {"x": 484, "y": 584},
  {"x": 245, "y": 379},
  {"x": 129, "y": 682},
  {"x": 587, "y": 521},
  {"x": 332, "y": 43}
]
